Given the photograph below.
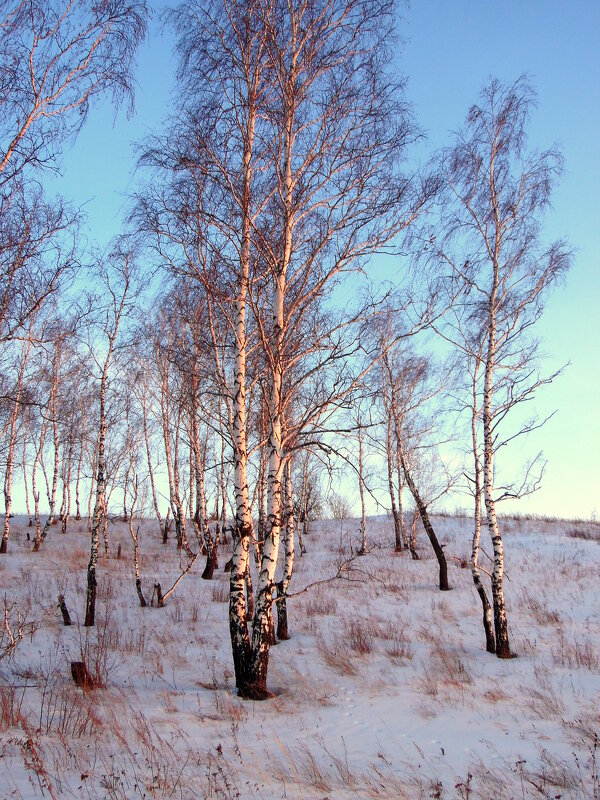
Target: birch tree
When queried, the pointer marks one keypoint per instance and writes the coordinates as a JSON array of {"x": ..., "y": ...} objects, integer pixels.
[
  {"x": 283, "y": 174},
  {"x": 489, "y": 234},
  {"x": 118, "y": 288},
  {"x": 340, "y": 129}
]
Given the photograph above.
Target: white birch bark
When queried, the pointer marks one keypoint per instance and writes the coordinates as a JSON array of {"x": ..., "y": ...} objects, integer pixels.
[
  {"x": 26, "y": 483},
  {"x": 263, "y": 624},
  {"x": 55, "y": 465},
  {"x": 12, "y": 437},
  {"x": 500, "y": 620},
  {"x": 111, "y": 330},
  {"x": 149, "y": 462}
]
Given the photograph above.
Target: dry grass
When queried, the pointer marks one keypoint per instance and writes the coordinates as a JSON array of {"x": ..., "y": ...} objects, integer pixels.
[
  {"x": 576, "y": 653},
  {"x": 539, "y": 610},
  {"x": 220, "y": 592},
  {"x": 360, "y": 637},
  {"x": 380, "y": 638},
  {"x": 338, "y": 656},
  {"x": 320, "y": 604},
  {"x": 591, "y": 534},
  {"x": 397, "y": 642}
]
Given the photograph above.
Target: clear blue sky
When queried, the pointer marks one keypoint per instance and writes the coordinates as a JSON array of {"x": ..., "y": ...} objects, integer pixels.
[{"x": 451, "y": 48}]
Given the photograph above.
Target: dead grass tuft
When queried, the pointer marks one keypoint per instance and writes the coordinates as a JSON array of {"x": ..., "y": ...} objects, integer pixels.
[
  {"x": 338, "y": 656},
  {"x": 360, "y": 637},
  {"x": 399, "y": 645},
  {"x": 11, "y": 704},
  {"x": 576, "y": 653},
  {"x": 539, "y": 610},
  {"x": 220, "y": 592},
  {"x": 320, "y": 604}
]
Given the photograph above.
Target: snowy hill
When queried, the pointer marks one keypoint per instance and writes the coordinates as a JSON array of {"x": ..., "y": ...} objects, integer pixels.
[{"x": 384, "y": 689}]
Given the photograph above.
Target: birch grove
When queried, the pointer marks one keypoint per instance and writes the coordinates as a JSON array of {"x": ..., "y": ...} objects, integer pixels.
[{"x": 233, "y": 346}]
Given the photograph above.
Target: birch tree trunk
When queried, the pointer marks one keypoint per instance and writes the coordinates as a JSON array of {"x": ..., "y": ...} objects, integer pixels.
[
  {"x": 34, "y": 489},
  {"x": 288, "y": 566},
  {"x": 99, "y": 505},
  {"x": 55, "y": 441},
  {"x": 500, "y": 621},
  {"x": 26, "y": 483},
  {"x": 490, "y": 644},
  {"x": 149, "y": 462},
  {"x": 401, "y": 505},
  {"x": 243, "y": 532},
  {"x": 391, "y": 486},
  {"x": 12, "y": 438},
  {"x": 361, "y": 490},
  {"x": 66, "y": 504},
  {"x": 111, "y": 330}
]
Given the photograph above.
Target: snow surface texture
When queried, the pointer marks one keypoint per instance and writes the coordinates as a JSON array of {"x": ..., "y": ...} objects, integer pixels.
[{"x": 383, "y": 691}]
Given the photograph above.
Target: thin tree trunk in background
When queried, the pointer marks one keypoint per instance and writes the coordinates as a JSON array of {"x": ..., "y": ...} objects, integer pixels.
[
  {"x": 288, "y": 566},
  {"x": 56, "y": 444},
  {"x": 94, "y": 465},
  {"x": 26, "y": 483},
  {"x": 171, "y": 459},
  {"x": 422, "y": 508},
  {"x": 149, "y": 462},
  {"x": 361, "y": 490},
  {"x": 413, "y": 536},
  {"x": 391, "y": 486},
  {"x": 79, "y": 463},
  {"x": 420, "y": 505},
  {"x": 400, "y": 503},
  {"x": 90, "y": 600},
  {"x": 211, "y": 544},
  {"x": 262, "y": 499},
  {"x": 180, "y": 523},
  {"x": 34, "y": 489},
  {"x": 134, "y": 539},
  {"x": 223, "y": 483},
  {"x": 66, "y": 510}
]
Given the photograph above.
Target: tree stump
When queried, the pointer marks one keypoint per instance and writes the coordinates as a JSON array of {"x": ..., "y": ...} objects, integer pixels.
[{"x": 81, "y": 676}]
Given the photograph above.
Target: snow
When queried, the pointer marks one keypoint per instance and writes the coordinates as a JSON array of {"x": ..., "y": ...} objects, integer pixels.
[{"x": 383, "y": 691}]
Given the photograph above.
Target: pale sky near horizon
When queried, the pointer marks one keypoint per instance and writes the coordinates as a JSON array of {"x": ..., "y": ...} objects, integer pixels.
[{"x": 450, "y": 51}]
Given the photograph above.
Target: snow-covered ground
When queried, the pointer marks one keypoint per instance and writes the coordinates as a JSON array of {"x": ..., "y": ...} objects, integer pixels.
[{"x": 384, "y": 689}]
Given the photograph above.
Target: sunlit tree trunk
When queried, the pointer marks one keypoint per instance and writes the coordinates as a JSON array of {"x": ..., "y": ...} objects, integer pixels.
[
  {"x": 477, "y": 492},
  {"x": 500, "y": 620},
  {"x": 12, "y": 440}
]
